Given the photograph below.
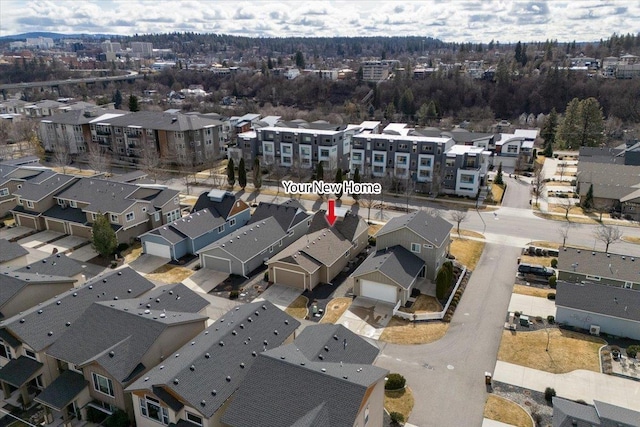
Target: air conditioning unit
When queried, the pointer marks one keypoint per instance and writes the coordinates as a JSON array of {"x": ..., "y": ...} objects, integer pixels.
[{"x": 594, "y": 330}]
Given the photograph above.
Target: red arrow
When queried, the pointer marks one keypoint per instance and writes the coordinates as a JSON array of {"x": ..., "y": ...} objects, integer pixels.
[{"x": 331, "y": 213}]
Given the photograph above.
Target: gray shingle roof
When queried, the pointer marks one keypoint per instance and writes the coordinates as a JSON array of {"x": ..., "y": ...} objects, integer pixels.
[
  {"x": 336, "y": 344},
  {"x": 433, "y": 229},
  {"x": 301, "y": 387},
  {"x": 253, "y": 239},
  {"x": 617, "y": 415},
  {"x": 610, "y": 181},
  {"x": 115, "y": 336},
  {"x": 163, "y": 121},
  {"x": 215, "y": 363},
  {"x": 596, "y": 263},
  {"x": 36, "y": 191},
  {"x": 63, "y": 390},
  {"x": 197, "y": 224},
  {"x": 18, "y": 371},
  {"x": 168, "y": 233},
  {"x": 325, "y": 246},
  {"x": 130, "y": 176},
  {"x": 12, "y": 283},
  {"x": 55, "y": 265},
  {"x": 601, "y": 299},
  {"x": 11, "y": 250},
  {"x": 221, "y": 208},
  {"x": 101, "y": 195},
  {"x": 286, "y": 214},
  {"x": 566, "y": 411},
  {"x": 397, "y": 263},
  {"x": 67, "y": 214},
  {"x": 176, "y": 297},
  {"x": 33, "y": 326},
  {"x": 351, "y": 226}
]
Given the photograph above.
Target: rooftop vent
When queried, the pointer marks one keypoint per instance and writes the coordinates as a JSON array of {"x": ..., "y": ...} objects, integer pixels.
[
  {"x": 50, "y": 333},
  {"x": 111, "y": 353},
  {"x": 192, "y": 368},
  {"x": 207, "y": 355},
  {"x": 175, "y": 381},
  {"x": 214, "y": 392},
  {"x": 228, "y": 379},
  {"x": 242, "y": 365}
]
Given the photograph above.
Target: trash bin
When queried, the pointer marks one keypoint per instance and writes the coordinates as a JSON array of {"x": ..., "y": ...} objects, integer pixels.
[{"x": 487, "y": 378}]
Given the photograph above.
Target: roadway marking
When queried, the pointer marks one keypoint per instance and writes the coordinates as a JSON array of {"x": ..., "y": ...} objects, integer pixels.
[{"x": 450, "y": 367}]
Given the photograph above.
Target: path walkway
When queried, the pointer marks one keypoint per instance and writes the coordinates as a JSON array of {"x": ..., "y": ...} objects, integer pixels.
[{"x": 575, "y": 385}]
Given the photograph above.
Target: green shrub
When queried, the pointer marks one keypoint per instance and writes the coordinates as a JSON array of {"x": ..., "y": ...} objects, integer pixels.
[
  {"x": 551, "y": 319},
  {"x": 95, "y": 416},
  {"x": 554, "y": 263},
  {"x": 117, "y": 419},
  {"x": 633, "y": 350},
  {"x": 372, "y": 241},
  {"x": 517, "y": 314},
  {"x": 551, "y": 296},
  {"x": 395, "y": 382},
  {"x": 553, "y": 281},
  {"x": 549, "y": 394},
  {"x": 538, "y": 319},
  {"x": 122, "y": 247},
  {"x": 266, "y": 276},
  {"x": 234, "y": 295},
  {"x": 396, "y": 418}
]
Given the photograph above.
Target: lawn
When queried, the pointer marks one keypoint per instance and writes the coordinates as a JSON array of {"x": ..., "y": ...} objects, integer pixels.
[
  {"x": 132, "y": 253},
  {"x": 469, "y": 233},
  {"x": 544, "y": 244},
  {"x": 374, "y": 228},
  {"x": 575, "y": 210},
  {"x": 532, "y": 291},
  {"x": 424, "y": 303},
  {"x": 540, "y": 260},
  {"x": 540, "y": 159},
  {"x": 466, "y": 251},
  {"x": 298, "y": 308},
  {"x": 631, "y": 239},
  {"x": 506, "y": 411},
  {"x": 568, "y": 350},
  {"x": 497, "y": 191},
  {"x": 334, "y": 309},
  {"x": 170, "y": 274},
  {"x": 399, "y": 401},
  {"x": 400, "y": 331}
]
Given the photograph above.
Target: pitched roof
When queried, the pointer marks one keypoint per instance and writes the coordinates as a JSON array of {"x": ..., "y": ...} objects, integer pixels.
[
  {"x": 433, "y": 229},
  {"x": 41, "y": 326},
  {"x": 250, "y": 240},
  {"x": 18, "y": 371},
  {"x": 63, "y": 390},
  {"x": 66, "y": 214},
  {"x": 596, "y": 263},
  {"x": 334, "y": 344},
  {"x": 11, "y": 250},
  {"x": 397, "y": 263},
  {"x": 55, "y": 265},
  {"x": 325, "y": 246},
  {"x": 197, "y": 223},
  {"x": 168, "y": 233},
  {"x": 219, "y": 208},
  {"x": 101, "y": 195},
  {"x": 351, "y": 226},
  {"x": 617, "y": 414},
  {"x": 211, "y": 367},
  {"x": 163, "y": 121},
  {"x": 35, "y": 191},
  {"x": 610, "y": 181},
  {"x": 287, "y": 214},
  {"x": 12, "y": 283},
  {"x": 566, "y": 411},
  {"x": 601, "y": 299},
  {"x": 176, "y": 297}
]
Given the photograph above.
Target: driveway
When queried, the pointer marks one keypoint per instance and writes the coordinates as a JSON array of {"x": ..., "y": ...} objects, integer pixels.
[
  {"x": 14, "y": 232},
  {"x": 204, "y": 280},
  {"x": 64, "y": 244},
  {"x": 217, "y": 307},
  {"x": 281, "y": 296},
  {"x": 367, "y": 317},
  {"x": 40, "y": 239},
  {"x": 532, "y": 306},
  {"x": 146, "y": 263},
  {"x": 83, "y": 254}
]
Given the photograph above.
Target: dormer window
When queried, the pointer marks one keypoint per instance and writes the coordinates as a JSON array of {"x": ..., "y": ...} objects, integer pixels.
[
  {"x": 73, "y": 204},
  {"x": 29, "y": 204},
  {"x": 114, "y": 218}
]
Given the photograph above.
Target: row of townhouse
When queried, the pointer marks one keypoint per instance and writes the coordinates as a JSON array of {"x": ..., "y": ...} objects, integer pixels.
[{"x": 44, "y": 108}]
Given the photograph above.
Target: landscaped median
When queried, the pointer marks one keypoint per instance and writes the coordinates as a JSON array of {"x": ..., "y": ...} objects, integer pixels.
[
  {"x": 398, "y": 400},
  {"x": 335, "y": 309},
  {"x": 508, "y": 412},
  {"x": 298, "y": 308},
  {"x": 170, "y": 274}
]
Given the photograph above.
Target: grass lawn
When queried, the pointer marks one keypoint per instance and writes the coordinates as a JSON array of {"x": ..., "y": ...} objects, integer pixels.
[
  {"x": 506, "y": 411},
  {"x": 399, "y": 401},
  {"x": 400, "y": 331},
  {"x": 334, "y": 309},
  {"x": 540, "y": 260},
  {"x": 558, "y": 184},
  {"x": 544, "y": 244},
  {"x": 532, "y": 291},
  {"x": 631, "y": 239},
  {"x": 560, "y": 217},
  {"x": 170, "y": 274},
  {"x": 132, "y": 253},
  {"x": 568, "y": 350},
  {"x": 298, "y": 308},
  {"x": 497, "y": 191},
  {"x": 575, "y": 210},
  {"x": 540, "y": 160},
  {"x": 467, "y": 252},
  {"x": 373, "y": 229},
  {"x": 424, "y": 303},
  {"x": 469, "y": 233},
  {"x": 75, "y": 171}
]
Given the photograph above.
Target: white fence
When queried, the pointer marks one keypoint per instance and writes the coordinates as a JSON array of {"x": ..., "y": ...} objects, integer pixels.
[{"x": 430, "y": 316}]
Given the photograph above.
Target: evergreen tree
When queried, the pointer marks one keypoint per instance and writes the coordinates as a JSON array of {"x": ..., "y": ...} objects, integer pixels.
[
  {"x": 406, "y": 103},
  {"x": 566, "y": 135},
  {"x": 300, "y": 60},
  {"x": 269, "y": 63},
  {"x": 588, "y": 200},
  {"x": 518, "y": 53},
  {"x": 133, "y": 104},
  {"x": 338, "y": 180},
  {"x": 257, "y": 174},
  {"x": 499, "y": 179},
  {"x": 231, "y": 173},
  {"x": 423, "y": 114},
  {"x": 242, "y": 174},
  {"x": 103, "y": 238},
  {"x": 591, "y": 123},
  {"x": 356, "y": 179},
  {"x": 548, "y": 132},
  {"x": 117, "y": 100},
  {"x": 319, "y": 172}
]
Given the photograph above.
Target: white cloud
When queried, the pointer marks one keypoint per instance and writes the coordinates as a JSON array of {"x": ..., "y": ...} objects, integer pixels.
[{"x": 452, "y": 20}]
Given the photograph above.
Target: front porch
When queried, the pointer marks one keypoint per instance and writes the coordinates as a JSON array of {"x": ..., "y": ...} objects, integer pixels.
[
  {"x": 63, "y": 401},
  {"x": 19, "y": 382}
]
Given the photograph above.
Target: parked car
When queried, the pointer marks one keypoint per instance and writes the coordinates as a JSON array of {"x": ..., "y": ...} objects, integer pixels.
[{"x": 536, "y": 270}]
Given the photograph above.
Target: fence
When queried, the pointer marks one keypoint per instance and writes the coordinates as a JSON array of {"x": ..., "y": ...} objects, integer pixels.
[{"x": 430, "y": 316}]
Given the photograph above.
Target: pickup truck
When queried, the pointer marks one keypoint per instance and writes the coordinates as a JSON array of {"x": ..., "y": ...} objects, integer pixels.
[{"x": 536, "y": 270}]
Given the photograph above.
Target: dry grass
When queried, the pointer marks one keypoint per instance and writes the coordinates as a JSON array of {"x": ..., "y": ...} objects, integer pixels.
[
  {"x": 399, "y": 401},
  {"x": 506, "y": 411},
  {"x": 540, "y": 160},
  {"x": 568, "y": 350},
  {"x": 560, "y": 217},
  {"x": 469, "y": 233},
  {"x": 9, "y": 222},
  {"x": 132, "y": 253},
  {"x": 497, "y": 191},
  {"x": 424, "y": 303},
  {"x": 539, "y": 260},
  {"x": 335, "y": 308},
  {"x": 400, "y": 331},
  {"x": 558, "y": 184},
  {"x": 298, "y": 308},
  {"x": 575, "y": 210},
  {"x": 170, "y": 274},
  {"x": 467, "y": 252},
  {"x": 544, "y": 244},
  {"x": 374, "y": 228},
  {"x": 532, "y": 291},
  {"x": 75, "y": 171},
  {"x": 631, "y": 239}
]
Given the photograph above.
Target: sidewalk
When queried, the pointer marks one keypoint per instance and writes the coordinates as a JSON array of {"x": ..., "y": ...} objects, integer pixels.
[{"x": 579, "y": 384}]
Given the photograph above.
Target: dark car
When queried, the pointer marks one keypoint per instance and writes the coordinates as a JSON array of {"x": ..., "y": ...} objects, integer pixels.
[{"x": 536, "y": 270}]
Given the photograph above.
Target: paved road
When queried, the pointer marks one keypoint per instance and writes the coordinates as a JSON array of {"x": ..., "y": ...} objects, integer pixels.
[{"x": 447, "y": 376}]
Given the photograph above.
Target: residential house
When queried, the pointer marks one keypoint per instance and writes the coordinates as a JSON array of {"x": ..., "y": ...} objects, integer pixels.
[
  {"x": 515, "y": 150},
  {"x": 115, "y": 342},
  {"x": 599, "y": 309},
  {"x": 465, "y": 170},
  {"x": 20, "y": 291},
  {"x": 215, "y": 215},
  {"x": 322, "y": 254},
  {"x": 323, "y": 378},
  {"x": 12, "y": 254},
  {"x": 57, "y": 265},
  {"x": 26, "y": 369},
  {"x": 196, "y": 384},
  {"x": 580, "y": 265},
  {"x": 11, "y": 179},
  {"x": 573, "y": 414},
  {"x": 43, "y": 108},
  {"x": 272, "y": 228}
]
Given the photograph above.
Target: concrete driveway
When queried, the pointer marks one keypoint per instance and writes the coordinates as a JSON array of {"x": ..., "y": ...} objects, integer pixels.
[
  {"x": 39, "y": 239},
  {"x": 14, "y": 232},
  {"x": 204, "y": 280},
  {"x": 83, "y": 254},
  {"x": 279, "y": 295},
  {"x": 532, "y": 306},
  {"x": 367, "y": 317},
  {"x": 146, "y": 263},
  {"x": 64, "y": 244}
]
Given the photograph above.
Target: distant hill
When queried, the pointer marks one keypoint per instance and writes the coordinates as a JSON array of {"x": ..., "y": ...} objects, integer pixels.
[{"x": 55, "y": 36}]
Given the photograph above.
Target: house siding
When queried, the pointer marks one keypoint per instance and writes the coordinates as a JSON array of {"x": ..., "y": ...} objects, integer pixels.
[
  {"x": 608, "y": 325},
  {"x": 433, "y": 257},
  {"x": 573, "y": 277},
  {"x": 119, "y": 400},
  {"x": 374, "y": 403},
  {"x": 31, "y": 295},
  {"x": 171, "y": 340}
]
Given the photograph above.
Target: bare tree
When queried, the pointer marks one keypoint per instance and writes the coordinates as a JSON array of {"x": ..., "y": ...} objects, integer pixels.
[
  {"x": 5, "y": 131},
  {"x": 61, "y": 156},
  {"x": 602, "y": 206},
  {"x": 150, "y": 161},
  {"x": 607, "y": 235},
  {"x": 458, "y": 216},
  {"x": 97, "y": 159},
  {"x": 563, "y": 230},
  {"x": 566, "y": 205},
  {"x": 409, "y": 189},
  {"x": 367, "y": 201},
  {"x": 538, "y": 182},
  {"x": 562, "y": 166}
]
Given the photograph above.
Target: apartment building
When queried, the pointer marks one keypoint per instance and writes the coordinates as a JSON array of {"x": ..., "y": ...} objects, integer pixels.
[
  {"x": 374, "y": 71},
  {"x": 465, "y": 169},
  {"x": 142, "y": 49}
]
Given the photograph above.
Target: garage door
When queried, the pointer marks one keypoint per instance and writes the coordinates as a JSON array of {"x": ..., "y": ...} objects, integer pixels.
[
  {"x": 26, "y": 221},
  {"x": 56, "y": 226},
  {"x": 157, "y": 249},
  {"x": 77, "y": 230},
  {"x": 218, "y": 264},
  {"x": 378, "y": 291},
  {"x": 287, "y": 277}
]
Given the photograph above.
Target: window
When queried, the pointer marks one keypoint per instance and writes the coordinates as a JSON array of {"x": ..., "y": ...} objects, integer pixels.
[
  {"x": 324, "y": 153},
  {"x": 346, "y": 254},
  {"x": 4, "y": 192},
  {"x": 378, "y": 158},
  {"x": 415, "y": 247},
  {"x": 114, "y": 218},
  {"x": 425, "y": 174},
  {"x": 19, "y": 201},
  {"x": 270, "y": 249},
  {"x": 5, "y": 350},
  {"x": 130, "y": 216},
  {"x": 596, "y": 278},
  {"x": 448, "y": 176},
  {"x": 628, "y": 285},
  {"x": 29, "y": 204},
  {"x": 357, "y": 157},
  {"x": 232, "y": 222},
  {"x": 30, "y": 353},
  {"x": 102, "y": 384},
  {"x": 192, "y": 418},
  {"x": 450, "y": 163},
  {"x": 93, "y": 216},
  {"x": 467, "y": 179},
  {"x": 427, "y": 246},
  {"x": 221, "y": 228},
  {"x": 61, "y": 202},
  {"x": 150, "y": 408},
  {"x": 401, "y": 160},
  {"x": 176, "y": 201},
  {"x": 73, "y": 204},
  {"x": 512, "y": 149},
  {"x": 425, "y": 162},
  {"x": 156, "y": 216}
]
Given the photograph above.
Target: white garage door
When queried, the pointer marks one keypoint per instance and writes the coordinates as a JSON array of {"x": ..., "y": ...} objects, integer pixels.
[
  {"x": 214, "y": 263},
  {"x": 378, "y": 291},
  {"x": 157, "y": 249}
]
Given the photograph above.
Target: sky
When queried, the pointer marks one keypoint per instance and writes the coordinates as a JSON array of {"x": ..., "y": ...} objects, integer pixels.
[{"x": 448, "y": 20}]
